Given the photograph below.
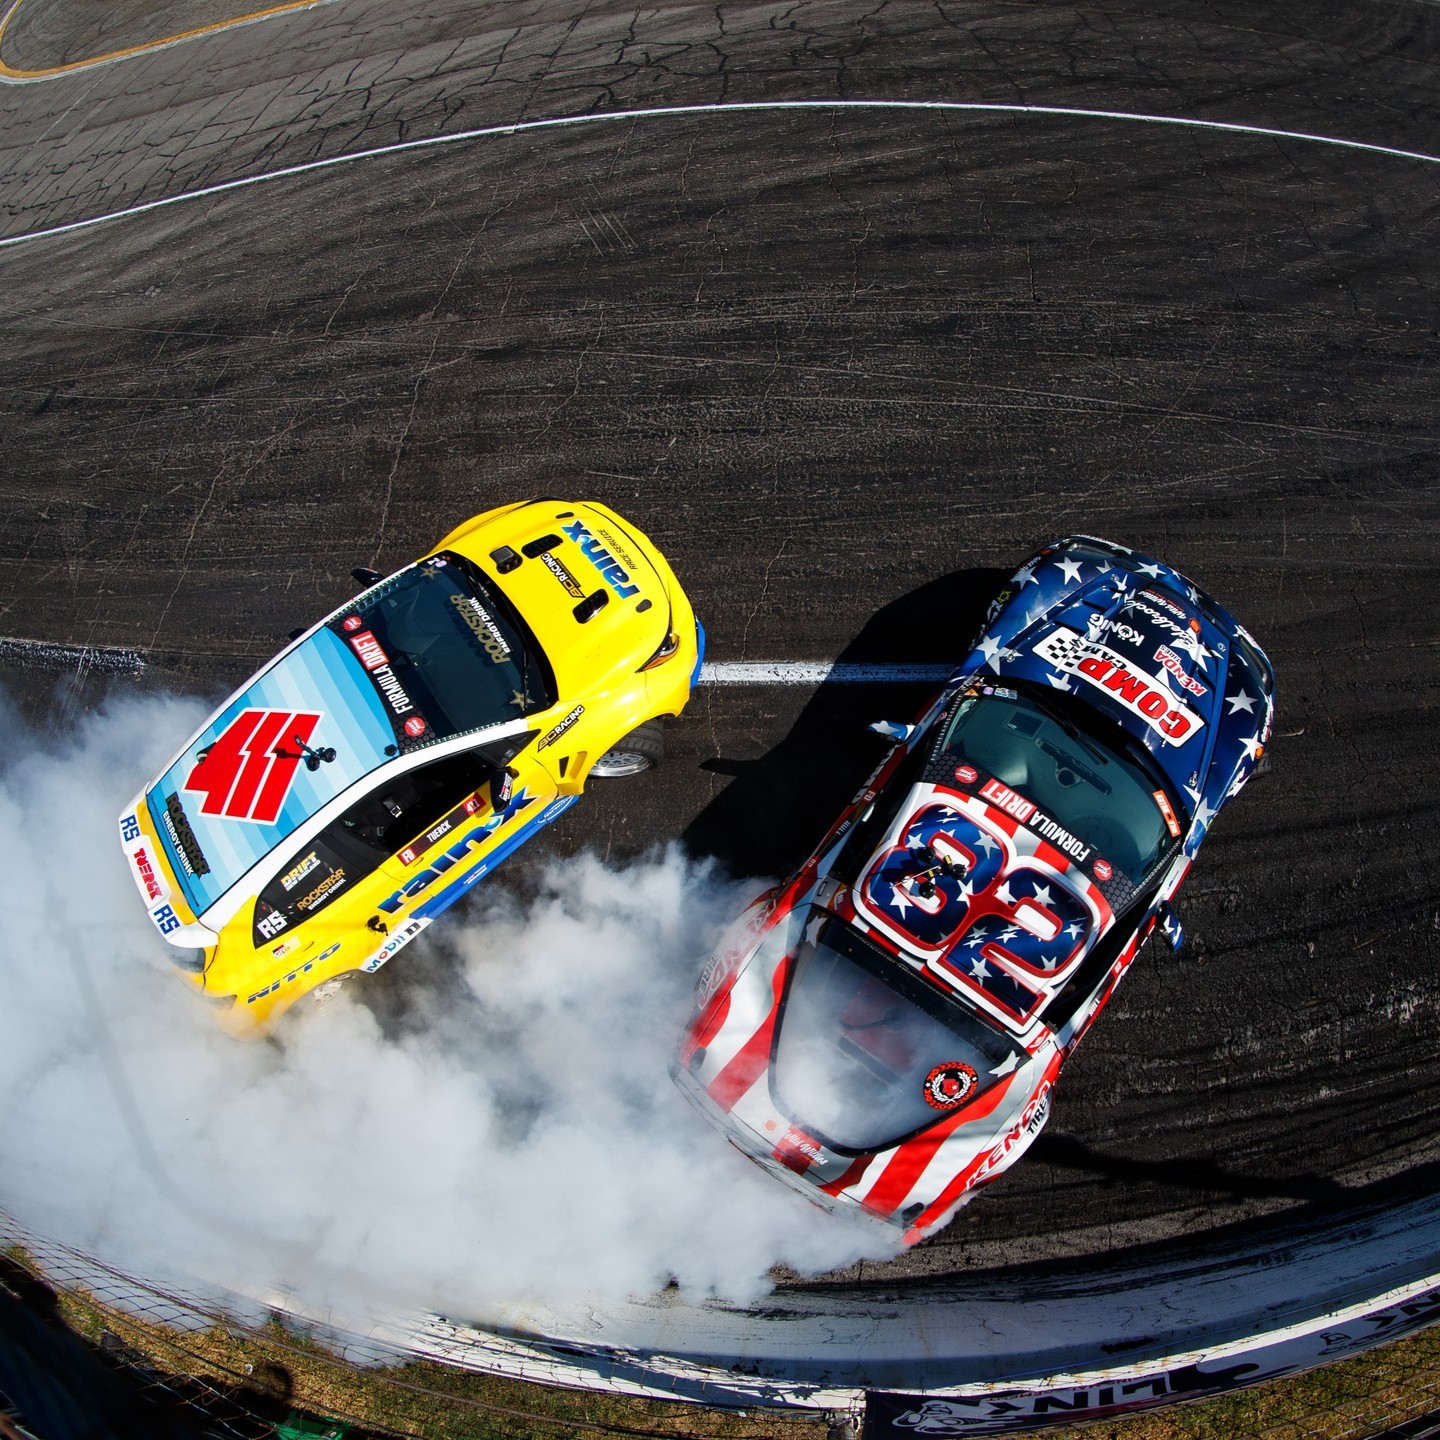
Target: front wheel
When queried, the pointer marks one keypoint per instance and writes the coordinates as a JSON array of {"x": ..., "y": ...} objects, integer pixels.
[
  {"x": 327, "y": 990},
  {"x": 642, "y": 749}
]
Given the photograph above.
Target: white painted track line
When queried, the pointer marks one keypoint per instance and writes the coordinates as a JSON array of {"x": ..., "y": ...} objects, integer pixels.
[
  {"x": 740, "y": 107},
  {"x": 781, "y": 672}
]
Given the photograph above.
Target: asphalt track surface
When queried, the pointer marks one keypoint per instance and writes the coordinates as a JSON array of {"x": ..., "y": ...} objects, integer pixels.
[{"x": 846, "y": 365}]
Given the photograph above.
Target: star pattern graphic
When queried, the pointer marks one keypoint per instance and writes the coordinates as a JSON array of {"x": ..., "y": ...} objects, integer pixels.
[
  {"x": 1191, "y": 644},
  {"x": 1242, "y": 701},
  {"x": 1071, "y": 570},
  {"x": 1043, "y": 896},
  {"x": 1152, "y": 570},
  {"x": 1251, "y": 747},
  {"x": 979, "y": 970}
]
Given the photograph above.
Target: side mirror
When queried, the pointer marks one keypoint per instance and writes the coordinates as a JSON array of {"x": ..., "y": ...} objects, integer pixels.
[
  {"x": 1170, "y": 926},
  {"x": 366, "y": 576},
  {"x": 892, "y": 728}
]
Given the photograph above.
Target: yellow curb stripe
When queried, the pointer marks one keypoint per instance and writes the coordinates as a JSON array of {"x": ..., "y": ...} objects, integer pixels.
[{"x": 9, "y": 73}]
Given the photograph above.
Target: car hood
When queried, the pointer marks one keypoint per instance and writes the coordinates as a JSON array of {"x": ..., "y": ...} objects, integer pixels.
[
  {"x": 242, "y": 785},
  {"x": 1147, "y": 650}
]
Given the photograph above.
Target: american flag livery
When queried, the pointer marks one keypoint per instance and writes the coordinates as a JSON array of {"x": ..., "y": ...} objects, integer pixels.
[{"x": 884, "y": 1030}]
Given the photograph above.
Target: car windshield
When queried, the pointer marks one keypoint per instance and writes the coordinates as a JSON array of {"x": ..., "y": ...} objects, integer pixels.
[
  {"x": 1034, "y": 746},
  {"x": 440, "y": 639},
  {"x": 868, "y": 1053}
]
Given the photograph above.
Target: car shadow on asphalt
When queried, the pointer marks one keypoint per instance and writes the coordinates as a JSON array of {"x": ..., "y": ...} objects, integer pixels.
[
  {"x": 1200, "y": 1173},
  {"x": 776, "y": 808}
]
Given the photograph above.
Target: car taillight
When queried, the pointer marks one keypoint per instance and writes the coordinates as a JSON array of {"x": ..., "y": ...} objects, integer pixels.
[{"x": 668, "y": 647}]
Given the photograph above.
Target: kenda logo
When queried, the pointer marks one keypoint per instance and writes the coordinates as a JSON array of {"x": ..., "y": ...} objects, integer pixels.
[{"x": 611, "y": 571}]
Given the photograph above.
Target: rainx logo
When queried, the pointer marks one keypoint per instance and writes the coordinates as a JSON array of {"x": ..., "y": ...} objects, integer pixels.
[
  {"x": 447, "y": 859},
  {"x": 247, "y": 771},
  {"x": 611, "y": 571}
]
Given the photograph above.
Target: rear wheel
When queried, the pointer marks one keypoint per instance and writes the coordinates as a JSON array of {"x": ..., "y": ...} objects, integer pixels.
[{"x": 642, "y": 749}]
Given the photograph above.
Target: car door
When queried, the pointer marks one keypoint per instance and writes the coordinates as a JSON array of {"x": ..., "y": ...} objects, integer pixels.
[{"x": 472, "y": 816}]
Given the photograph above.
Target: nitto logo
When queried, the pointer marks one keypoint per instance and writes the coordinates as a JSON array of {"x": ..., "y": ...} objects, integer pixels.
[
  {"x": 246, "y": 773},
  {"x": 611, "y": 571}
]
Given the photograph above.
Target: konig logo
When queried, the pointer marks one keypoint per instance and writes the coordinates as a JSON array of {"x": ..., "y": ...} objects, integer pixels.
[
  {"x": 246, "y": 774},
  {"x": 612, "y": 572}
]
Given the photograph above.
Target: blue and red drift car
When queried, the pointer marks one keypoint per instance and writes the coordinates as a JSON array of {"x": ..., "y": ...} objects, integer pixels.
[{"x": 884, "y": 1029}]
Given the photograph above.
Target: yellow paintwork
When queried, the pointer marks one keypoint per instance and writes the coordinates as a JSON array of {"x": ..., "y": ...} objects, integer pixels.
[{"x": 598, "y": 672}]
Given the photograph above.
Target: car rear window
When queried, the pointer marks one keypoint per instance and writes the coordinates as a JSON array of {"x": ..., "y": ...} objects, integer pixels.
[{"x": 866, "y": 1053}]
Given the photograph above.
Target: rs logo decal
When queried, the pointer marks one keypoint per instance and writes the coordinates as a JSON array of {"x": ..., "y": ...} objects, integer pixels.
[{"x": 246, "y": 774}]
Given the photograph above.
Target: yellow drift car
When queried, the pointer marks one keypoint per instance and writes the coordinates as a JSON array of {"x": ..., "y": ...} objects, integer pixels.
[{"x": 371, "y": 773}]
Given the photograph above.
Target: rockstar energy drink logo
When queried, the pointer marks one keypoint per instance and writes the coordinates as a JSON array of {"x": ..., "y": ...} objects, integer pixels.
[{"x": 485, "y": 630}]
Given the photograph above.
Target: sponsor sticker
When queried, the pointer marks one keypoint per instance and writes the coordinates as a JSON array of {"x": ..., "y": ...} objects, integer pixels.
[
  {"x": 949, "y": 1085},
  {"x": 1172, "y": 662},
  {"x": 1032, "y": 817},
  {"x": 1162, "y": 801},
  {"x": 272, "y": 924},
  {"x": 1104, "y": 870},
  {"x": 1006, "y": 800},
  {"x": 397, "y": 942},
  {"x": 368, "y": 648},
  {"x": 415, "y": 727},
  {"x": 797, "y": 1151},
  {"x": 247, "y": 771},
  {"x": 1110, "y": 672},
  {"x": 327, "y": 887},
  {"x": 966, "y": 774},
  {"x": 150, "y": 877},
  {"x": 182, "y": 837},
  {"x": 292, "y": 877},
  {"x": 551, "y": 736},
  {"x": 611, "y": 570},
  {"x": 563, "y": 575},
  {"x": 353, "y": 622},
  {"x": 478, "y": 620},
  {"x": 1166, "y": 603}
]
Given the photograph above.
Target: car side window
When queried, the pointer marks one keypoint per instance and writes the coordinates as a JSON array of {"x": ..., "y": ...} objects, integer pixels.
[{"x": 373, "y": 829}]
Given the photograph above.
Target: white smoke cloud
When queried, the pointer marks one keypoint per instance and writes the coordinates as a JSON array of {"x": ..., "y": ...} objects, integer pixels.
[{"x": 498, "y": 1128}]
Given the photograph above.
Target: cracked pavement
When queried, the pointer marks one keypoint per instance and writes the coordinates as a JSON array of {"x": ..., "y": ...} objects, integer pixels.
[{"x": 845, "y": 366}]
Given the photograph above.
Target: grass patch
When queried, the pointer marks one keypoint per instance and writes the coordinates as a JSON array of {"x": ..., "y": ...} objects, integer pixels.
[{"x": 273, "y": 1368}]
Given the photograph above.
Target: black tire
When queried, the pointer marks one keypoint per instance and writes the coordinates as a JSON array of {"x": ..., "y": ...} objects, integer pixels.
[
  {"x": 642, "y": 749},
  {"x": 327, "y": 990}
]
